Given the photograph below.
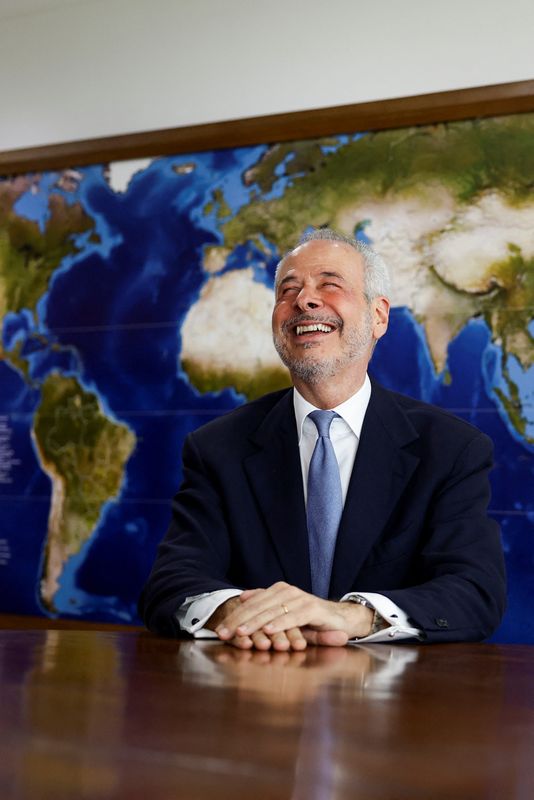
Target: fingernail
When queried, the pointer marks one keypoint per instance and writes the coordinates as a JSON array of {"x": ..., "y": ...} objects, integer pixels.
[
  {"x": 222, "y": 631},
  {"x": 243, "y": 629}
]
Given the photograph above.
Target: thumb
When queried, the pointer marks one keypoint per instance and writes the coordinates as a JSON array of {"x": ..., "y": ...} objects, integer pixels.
[{"x": 325, "y": 638}]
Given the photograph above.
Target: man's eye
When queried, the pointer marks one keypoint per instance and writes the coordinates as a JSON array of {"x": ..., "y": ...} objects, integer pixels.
[
  {"x": 287, "y": 289},
  {"x": 331, "y": 283}
]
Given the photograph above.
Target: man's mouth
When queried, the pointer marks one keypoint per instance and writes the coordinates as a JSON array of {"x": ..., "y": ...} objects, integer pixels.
[{"x": 313, "y": 327}]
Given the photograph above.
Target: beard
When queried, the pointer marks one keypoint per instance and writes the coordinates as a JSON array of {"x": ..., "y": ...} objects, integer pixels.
[{"x": 354, "y": 341}]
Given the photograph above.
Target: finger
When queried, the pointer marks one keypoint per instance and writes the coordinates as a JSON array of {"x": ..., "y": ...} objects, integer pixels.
[
  {"x": 265, "y": 619},
  {"x": 280, "y": 642},
  {"x": 289, "y": 608},
  {"x": 308, "y": 611},
  {"x": 263, "y": 607},
  {"x": 258, "y": 599},
  {"x": 305, "y": 610},
  {"x": 260, "y": 641},
  {"x": 296, "y": 639},
  {"x": 232, "y": 627},
  {"x": 249, "y": 618},
  {"x": 325, "y": 638},
  {"x": 241, "y": 642}
]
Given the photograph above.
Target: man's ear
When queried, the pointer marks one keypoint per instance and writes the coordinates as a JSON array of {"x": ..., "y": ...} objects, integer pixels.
[{"x": 380, "y": 310}]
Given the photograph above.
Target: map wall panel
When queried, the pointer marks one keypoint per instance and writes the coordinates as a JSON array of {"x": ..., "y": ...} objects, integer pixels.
[{"x": 135, "y": 305}]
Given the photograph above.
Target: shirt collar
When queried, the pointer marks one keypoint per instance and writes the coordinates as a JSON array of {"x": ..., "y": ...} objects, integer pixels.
[{"x": 352, "y": 410}]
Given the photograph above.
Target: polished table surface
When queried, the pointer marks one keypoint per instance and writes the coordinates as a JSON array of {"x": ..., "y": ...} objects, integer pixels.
[{"x": 123, "y": 714}]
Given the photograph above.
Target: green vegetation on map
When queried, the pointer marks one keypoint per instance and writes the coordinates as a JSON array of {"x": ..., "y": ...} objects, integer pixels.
[
  {"x": 467, "y": 158},
  {"x": 83, "y": 447},
  {"x": 219, "y": 205},
  {"x": 508, "y": 313},
  {"x": 250, "y": 383},
  {"x": 509, "y": 307},
  {"x": 512, "y": 405},
  {"x": 18, "y": 361},
  {"x": 29, "y": 256},
  {"x": 300, "y": 158},
  {"x": 84, "y": 453}
]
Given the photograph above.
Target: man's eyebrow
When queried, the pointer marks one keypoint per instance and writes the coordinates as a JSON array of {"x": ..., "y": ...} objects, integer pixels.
[
  {"x": 287, "y": 279},
  {"x": 324, "y": 274},
  {"x": 337, "y": 275}
]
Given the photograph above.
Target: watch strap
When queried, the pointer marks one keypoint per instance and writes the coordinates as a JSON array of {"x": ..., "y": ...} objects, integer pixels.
[{"x": 378, "y": 622}]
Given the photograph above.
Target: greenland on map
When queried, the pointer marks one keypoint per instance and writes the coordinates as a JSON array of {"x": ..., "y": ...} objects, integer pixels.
[{"x": 135, "y": 302}]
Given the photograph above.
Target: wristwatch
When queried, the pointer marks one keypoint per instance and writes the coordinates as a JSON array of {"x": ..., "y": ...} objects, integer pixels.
[{"x": 378, "y": 623}]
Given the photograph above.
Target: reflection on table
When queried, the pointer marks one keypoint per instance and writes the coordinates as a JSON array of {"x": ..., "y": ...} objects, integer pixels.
[{"x": 105, "y": 714}]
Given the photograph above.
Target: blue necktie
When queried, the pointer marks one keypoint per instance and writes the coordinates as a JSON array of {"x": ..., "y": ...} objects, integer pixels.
[{"x": 325, "y": 504}]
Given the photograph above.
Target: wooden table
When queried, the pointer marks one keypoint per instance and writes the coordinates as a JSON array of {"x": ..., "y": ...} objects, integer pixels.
[{"x": 113, "y": 714}]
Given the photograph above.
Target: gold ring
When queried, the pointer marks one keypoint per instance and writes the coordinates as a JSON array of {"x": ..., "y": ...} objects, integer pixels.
[{"x": 286, "y": 609}]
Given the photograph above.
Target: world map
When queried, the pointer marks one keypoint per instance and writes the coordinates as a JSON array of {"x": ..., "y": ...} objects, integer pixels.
[{"x": 135, "y": 302}]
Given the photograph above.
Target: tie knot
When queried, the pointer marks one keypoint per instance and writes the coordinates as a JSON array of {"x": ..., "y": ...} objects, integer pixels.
[{"x": 322, "y": 421}]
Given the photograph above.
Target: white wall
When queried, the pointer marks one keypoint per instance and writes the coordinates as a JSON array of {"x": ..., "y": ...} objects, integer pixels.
[{"x": 77, "y": 69}]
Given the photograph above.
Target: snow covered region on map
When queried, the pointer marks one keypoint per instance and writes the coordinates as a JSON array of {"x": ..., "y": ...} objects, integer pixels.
[{"x": 135, "y": 305}]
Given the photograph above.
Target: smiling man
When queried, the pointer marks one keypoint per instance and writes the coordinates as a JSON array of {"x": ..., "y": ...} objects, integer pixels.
[{"x": 336, "y": 511}]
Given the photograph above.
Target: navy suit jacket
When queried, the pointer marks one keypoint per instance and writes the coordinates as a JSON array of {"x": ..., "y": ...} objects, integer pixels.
[{"x": 414, "y": 525}]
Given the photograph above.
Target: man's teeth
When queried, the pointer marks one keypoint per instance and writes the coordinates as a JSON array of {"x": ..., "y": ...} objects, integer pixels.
[{"x": 312, "y": 328}]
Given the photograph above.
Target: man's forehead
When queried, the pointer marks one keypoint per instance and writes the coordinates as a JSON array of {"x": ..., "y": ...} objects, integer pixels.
[{"x": 322, "y": 254}]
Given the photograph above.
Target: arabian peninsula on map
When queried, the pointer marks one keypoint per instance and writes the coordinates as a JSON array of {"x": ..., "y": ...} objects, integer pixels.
[{"x": 135, "y": 304}]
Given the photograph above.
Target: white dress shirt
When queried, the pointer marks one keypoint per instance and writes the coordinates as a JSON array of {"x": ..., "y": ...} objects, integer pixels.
[{"x": 345, "y": 433}]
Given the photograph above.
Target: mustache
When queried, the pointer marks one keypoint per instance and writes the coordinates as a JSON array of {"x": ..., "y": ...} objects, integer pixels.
[{"x": 298, "y": 319}]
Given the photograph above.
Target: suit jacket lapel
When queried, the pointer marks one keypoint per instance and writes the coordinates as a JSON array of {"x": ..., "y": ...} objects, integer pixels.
[
  {"x": 381, "y": 471},
  {"x": 275, "y": 477}
]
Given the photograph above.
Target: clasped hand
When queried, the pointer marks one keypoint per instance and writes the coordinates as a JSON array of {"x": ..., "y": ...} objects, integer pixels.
[{"x": 286, "y": 618}]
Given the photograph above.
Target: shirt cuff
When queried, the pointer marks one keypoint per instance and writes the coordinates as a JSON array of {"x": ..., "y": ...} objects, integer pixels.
[
  {"x": 197, "y": 610},
  {"x": 397, "y": 619}
]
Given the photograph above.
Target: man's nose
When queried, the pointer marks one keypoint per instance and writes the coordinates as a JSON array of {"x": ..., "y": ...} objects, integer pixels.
[{"x": 308, "y": 299}]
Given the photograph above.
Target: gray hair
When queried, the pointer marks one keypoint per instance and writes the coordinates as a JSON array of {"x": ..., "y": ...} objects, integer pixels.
[{"x": 376, "y": 273}]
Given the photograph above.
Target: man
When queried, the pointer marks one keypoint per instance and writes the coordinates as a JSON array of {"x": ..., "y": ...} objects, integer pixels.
[{"x": 336, "y": 511}]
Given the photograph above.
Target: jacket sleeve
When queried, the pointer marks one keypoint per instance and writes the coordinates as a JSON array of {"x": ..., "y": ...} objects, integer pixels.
[
  {"x": 194, "y": 556},
  {"x": 462, "y": 592}
]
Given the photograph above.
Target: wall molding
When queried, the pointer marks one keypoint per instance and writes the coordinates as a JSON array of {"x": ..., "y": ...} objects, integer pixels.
[{"x": 484, "y": 101}]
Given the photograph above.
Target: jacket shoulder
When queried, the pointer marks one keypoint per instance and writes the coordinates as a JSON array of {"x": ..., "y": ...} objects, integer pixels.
[
  {"x": 429, "y": 420},
  {"x": 243, "y": 420}
]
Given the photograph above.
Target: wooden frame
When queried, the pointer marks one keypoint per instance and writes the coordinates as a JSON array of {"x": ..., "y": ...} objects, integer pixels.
[{"x": 485, "y": 101}]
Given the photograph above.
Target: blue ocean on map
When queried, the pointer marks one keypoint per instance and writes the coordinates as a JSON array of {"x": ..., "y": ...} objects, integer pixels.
[{"x": 112, "y": 317}]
